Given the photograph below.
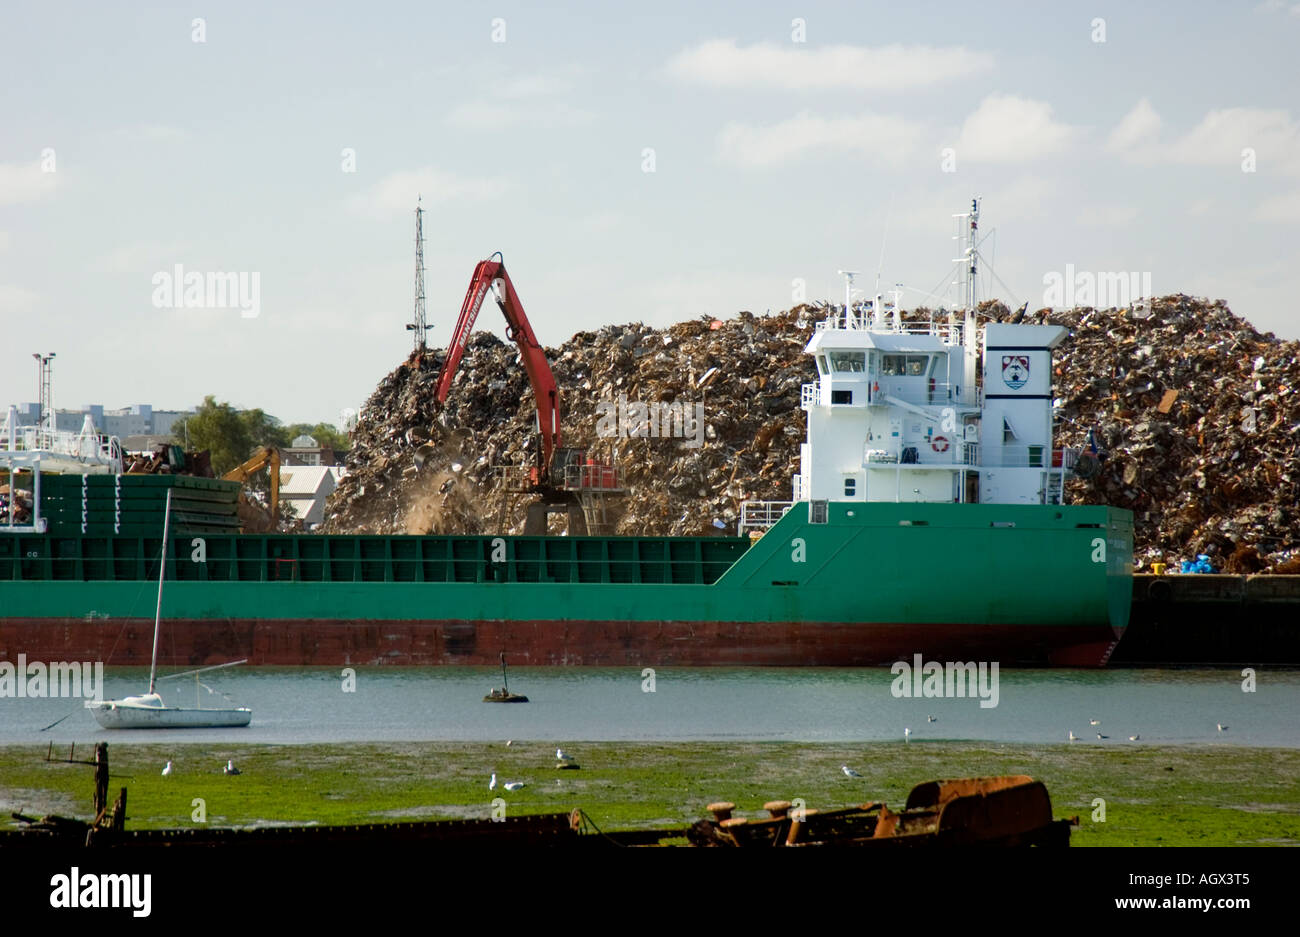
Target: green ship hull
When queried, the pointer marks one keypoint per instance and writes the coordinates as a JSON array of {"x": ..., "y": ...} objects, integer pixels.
[{"x": 875, "y": 583}]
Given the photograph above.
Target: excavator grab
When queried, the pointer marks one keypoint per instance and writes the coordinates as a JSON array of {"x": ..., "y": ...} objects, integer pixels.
[
  {"x": 567, "y": 480},
  {"x": 491, "y": 274}
]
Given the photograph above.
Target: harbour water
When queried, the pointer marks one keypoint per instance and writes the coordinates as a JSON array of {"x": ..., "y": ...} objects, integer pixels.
[{"x": 314, "y": 705}]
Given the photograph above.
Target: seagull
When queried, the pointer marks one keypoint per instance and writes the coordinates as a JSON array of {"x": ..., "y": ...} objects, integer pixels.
[
  {"x": 510, "y": 742},
  {"x": 230, "y": 768},
  {"x": 1134, "y": 738},
  {"x": 1094, "y": 722},
  {"x": 931, "y": 718},
  {"x": 514, "y": 785},
  {"x": 1222, "y": 727},
  {"x": 167, "y": 770},
  {"x": 1073, "y": 737},
  {"x": 1100, "y": 736},
  {"x": 849, "y": 772},
  {"x": 907, "y": 734},
  {"x": 562, "y": 755},
  {"x": 492, "y": 785}
]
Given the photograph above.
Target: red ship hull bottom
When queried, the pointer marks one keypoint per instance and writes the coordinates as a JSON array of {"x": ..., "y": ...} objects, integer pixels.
[{"x": 299, "y": 642}]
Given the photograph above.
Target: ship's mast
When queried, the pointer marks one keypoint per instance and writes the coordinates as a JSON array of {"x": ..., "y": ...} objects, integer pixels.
[
  {"x": 848, "y": 293},
  {"x": 418, "y": 324},
  {"x": 162, "y": 574},
  {"x": 967, "y": 232},
  {"x": 45, "y": 407}
]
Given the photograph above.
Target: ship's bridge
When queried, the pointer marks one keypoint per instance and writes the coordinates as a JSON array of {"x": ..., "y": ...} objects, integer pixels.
[
  {"x": 861, "y": 369},
  {"x": 885, "y": 399}
]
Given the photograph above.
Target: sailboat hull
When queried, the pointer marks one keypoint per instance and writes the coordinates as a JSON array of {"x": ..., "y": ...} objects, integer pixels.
[{"x": 112, "y": 715}]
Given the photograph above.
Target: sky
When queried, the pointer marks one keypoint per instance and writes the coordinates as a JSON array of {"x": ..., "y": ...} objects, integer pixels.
[{"x": 632, "y": 162}]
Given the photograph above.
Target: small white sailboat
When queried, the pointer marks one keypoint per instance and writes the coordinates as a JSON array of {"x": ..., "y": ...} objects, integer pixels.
[{"x": 149, "y": 711}]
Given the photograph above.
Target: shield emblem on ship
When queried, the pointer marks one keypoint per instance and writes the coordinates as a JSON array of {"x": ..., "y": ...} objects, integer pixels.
[{"x": 1015, "y": 371}]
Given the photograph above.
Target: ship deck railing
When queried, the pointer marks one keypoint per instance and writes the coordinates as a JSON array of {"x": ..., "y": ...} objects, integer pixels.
[
  {"x": 862, "y": 319},
  {"x": 86, "y": 447},
  {"x": 974, "y": 456},
  {"x": 758, "y": 516},
  {"x": 884, "y": 391}
]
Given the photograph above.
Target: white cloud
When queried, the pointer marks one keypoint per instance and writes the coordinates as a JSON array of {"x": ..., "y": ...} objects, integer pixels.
[
  {"x": 884, "y": 138},
  {"x": 24, "y": 182},
  {"x": 1009, "y": 128},
  {"x": 1218, "y": 140},
  {"x": 1285, "y": 208},
  {"x": 396, "y": 193},
  {"x": 724, "y": 64},
  {"x": 1139, "y": 127}
]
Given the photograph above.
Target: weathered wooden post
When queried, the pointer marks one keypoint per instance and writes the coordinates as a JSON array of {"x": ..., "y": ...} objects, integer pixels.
[
  {"x": 101, "y": 779},
  {"x": 119, "y": 812}
]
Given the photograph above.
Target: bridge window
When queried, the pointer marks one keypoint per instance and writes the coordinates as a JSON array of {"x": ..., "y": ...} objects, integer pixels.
[
  {"x": 822, "y": 366},
  {"x": 850, "y": 487},
  {"x": 841, "y": 396},
  {"x": 904, "y": 365},
  {"x": 849, "y": 361}
]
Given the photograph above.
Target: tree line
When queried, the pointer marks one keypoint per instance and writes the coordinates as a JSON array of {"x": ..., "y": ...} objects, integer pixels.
[{"x": 230, "y": 435}]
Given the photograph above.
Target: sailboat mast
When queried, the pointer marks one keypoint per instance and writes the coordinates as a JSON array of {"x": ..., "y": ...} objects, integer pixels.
[{"x": 162, "y": 572}]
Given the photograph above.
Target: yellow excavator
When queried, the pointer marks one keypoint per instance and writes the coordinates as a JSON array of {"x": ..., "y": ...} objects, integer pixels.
[{"x": 252, "y": 517}]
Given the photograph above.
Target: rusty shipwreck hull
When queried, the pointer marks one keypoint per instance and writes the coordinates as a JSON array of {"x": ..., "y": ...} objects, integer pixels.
[
  {"x": 1011, "y": 810},
  {"x": 315, "y": 642}
]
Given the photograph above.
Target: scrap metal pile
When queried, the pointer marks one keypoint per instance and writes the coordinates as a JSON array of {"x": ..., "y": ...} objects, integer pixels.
[
  {"x": 743, "y": 375},
  {"x": 1201, "y": 416},
  {"x": 1195, "y": 412}
]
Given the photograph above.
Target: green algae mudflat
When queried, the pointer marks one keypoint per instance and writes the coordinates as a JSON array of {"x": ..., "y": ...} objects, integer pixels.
[{"x": 1153, "y": 795}]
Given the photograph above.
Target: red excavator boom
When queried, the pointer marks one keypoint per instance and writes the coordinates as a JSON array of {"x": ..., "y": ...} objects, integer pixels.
[{"x": 521, "y": 333}]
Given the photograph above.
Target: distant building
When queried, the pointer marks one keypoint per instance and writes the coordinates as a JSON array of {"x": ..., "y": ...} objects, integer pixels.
[
  {"x": 305, "y": 450},
  {"x": 306, "y": 487},
  {"x": 139, "y": 420}
]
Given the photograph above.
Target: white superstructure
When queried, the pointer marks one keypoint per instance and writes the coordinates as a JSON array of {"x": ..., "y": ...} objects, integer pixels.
[
  {"x": 936, "y": 410},
  {"x": 897, "y": 414}
]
